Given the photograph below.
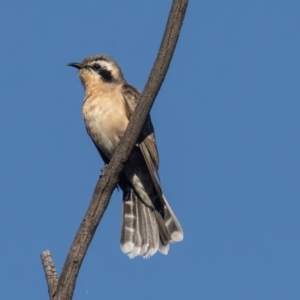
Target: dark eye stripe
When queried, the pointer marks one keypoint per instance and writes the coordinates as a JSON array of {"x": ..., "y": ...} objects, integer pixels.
[{"x": 106, "y": 75}]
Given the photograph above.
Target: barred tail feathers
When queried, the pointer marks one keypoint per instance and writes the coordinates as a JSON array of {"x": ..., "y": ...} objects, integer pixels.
[
  {"x": 144, "y": 231},
  {"x": 140, "y": 233},
  {"x": 172, "y": 224}
]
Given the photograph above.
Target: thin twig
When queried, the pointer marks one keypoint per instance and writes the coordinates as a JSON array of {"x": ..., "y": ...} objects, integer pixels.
[
  {"x": 109, "y": 180},
  {"x": 50, "y": 272}
]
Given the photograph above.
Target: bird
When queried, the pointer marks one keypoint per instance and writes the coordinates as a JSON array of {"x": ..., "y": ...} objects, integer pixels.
[{"x": 148, "y": 222}]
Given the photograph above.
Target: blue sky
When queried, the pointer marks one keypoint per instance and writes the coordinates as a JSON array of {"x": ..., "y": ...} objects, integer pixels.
[{"x": 228, "y": 131}]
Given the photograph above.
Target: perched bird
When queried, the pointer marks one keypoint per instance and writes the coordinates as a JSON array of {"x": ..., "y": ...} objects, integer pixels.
[{"x": 149, "y": 223}]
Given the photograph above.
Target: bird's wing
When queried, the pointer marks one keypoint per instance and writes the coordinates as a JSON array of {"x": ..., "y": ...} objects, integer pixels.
[
  {"x": 131, "y": 97},
  {"x": 146, "y": 141},
  {"x": 141, "y": 170}
]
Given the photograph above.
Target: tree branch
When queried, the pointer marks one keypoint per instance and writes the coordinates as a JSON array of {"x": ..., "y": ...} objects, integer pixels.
[
  {"x": 50, "y": 272},
  {"x": 110, "y": 176}
]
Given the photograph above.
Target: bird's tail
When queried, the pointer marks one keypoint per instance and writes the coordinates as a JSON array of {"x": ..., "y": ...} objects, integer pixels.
[{"x": 145, "y": 230}]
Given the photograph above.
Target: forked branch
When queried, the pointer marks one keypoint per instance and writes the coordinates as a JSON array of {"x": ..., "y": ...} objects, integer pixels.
[{"x": 63, "y": 288}]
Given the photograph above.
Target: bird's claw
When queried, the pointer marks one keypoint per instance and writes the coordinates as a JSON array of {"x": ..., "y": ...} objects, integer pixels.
[{"x": 103, "y": 171}]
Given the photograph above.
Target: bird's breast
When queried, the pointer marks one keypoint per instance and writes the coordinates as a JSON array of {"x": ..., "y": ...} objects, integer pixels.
[{"x": 106, "y": 120}]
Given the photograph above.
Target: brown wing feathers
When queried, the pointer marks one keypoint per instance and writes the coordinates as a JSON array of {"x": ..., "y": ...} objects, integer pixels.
[{"x": 151, "y": 219}]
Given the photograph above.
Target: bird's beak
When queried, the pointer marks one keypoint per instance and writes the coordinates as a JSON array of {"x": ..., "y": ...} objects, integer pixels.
[{"x": 75, "y": 65}]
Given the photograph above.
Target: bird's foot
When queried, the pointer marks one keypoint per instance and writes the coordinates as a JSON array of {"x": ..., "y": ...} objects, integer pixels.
[{"x": 103, "y": 171}]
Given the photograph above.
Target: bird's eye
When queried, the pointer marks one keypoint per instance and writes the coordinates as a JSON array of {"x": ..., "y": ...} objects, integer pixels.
[{"x": 96, "y": 67}]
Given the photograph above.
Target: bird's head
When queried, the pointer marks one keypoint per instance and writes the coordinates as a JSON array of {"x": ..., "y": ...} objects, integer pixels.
[{"x": 98, "y": 69}]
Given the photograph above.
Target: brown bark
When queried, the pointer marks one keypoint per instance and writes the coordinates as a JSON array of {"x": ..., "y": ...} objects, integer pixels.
[
  {"x": 109, "y": 178},
  {"x": 50, "y": 272}
]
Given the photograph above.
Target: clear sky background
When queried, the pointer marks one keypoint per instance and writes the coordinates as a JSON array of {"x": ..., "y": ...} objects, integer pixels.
[{"x": 228, "y": 131}]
